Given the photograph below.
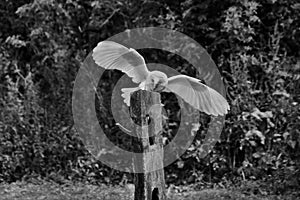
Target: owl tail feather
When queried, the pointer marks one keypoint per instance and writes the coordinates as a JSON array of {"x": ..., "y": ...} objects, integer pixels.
[{"x": 126, "y": 94}]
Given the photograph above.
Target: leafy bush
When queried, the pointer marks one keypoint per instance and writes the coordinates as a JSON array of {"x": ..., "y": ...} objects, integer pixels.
[{"x": 255, "y": 44}]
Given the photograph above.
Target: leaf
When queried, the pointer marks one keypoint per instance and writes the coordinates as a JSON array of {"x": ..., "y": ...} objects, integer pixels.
[
  {"x": 285, "y": 135},
  {"x": 277, "y": 135},
  {"x": 253, "y": 143},
  {"x": 195, "y": 128},
  {"x": 180, "y": 164},
  {"x": 256, "y": 155},
  {"x": 296, "y": 6},
  {"x": 258, "y": 114},
  {"x": 292, "y": 143},
  {"x": 281, "y": 93},
  {"x": 259, "y": 134}
]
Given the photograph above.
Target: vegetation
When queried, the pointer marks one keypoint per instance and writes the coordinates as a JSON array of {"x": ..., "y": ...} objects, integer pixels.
[{"x": 255, "y": 44}]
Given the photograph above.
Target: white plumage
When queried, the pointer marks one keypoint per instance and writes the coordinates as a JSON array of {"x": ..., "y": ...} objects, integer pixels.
[{"x": 111, "y": 55}]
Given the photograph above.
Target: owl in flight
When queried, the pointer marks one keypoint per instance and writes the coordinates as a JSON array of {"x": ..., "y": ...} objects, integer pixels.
[{"x": 111, "y": 55}]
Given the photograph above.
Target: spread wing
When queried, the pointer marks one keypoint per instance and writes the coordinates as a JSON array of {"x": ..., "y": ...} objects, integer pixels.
[
  {"x": 198, "y": 95},
  {"x": 111, "y": 55}
]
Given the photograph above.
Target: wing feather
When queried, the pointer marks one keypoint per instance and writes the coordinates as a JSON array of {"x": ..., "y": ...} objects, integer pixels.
[
  {"x": 198, "y": 95},
  {"x": 111, "y": 55}
]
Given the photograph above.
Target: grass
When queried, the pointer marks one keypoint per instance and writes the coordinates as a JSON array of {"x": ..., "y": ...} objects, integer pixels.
[{"x": 71, "y": 191}]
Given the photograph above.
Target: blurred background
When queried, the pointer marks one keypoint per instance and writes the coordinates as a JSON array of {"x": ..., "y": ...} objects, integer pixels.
[{"x": 255, "y": 44}]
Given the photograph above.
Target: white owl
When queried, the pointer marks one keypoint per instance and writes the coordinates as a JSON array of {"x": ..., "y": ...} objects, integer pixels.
[{"x": 111, "y": 55}]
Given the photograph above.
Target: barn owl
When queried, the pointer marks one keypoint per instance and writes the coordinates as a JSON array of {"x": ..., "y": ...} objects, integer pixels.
[{"x": 111, "y": 55}]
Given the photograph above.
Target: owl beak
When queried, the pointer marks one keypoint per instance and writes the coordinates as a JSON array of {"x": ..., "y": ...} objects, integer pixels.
[
  {"x": 155, "y": 84},
  {"x": 159, "y": 87}
]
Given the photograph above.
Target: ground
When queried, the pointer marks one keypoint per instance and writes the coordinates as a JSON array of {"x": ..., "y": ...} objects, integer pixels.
[{"x": 42, "y": 190}]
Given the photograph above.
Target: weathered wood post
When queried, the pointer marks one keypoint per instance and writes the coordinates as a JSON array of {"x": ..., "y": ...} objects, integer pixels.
[{"x": 145, "y": 111}]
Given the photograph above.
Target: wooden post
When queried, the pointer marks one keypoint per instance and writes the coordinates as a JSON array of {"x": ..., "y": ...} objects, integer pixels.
[{"x": 145, "y": 111}]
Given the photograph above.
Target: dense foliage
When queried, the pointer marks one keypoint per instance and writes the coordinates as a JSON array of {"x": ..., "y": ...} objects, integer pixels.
[{"x": 255, "y": 44}]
